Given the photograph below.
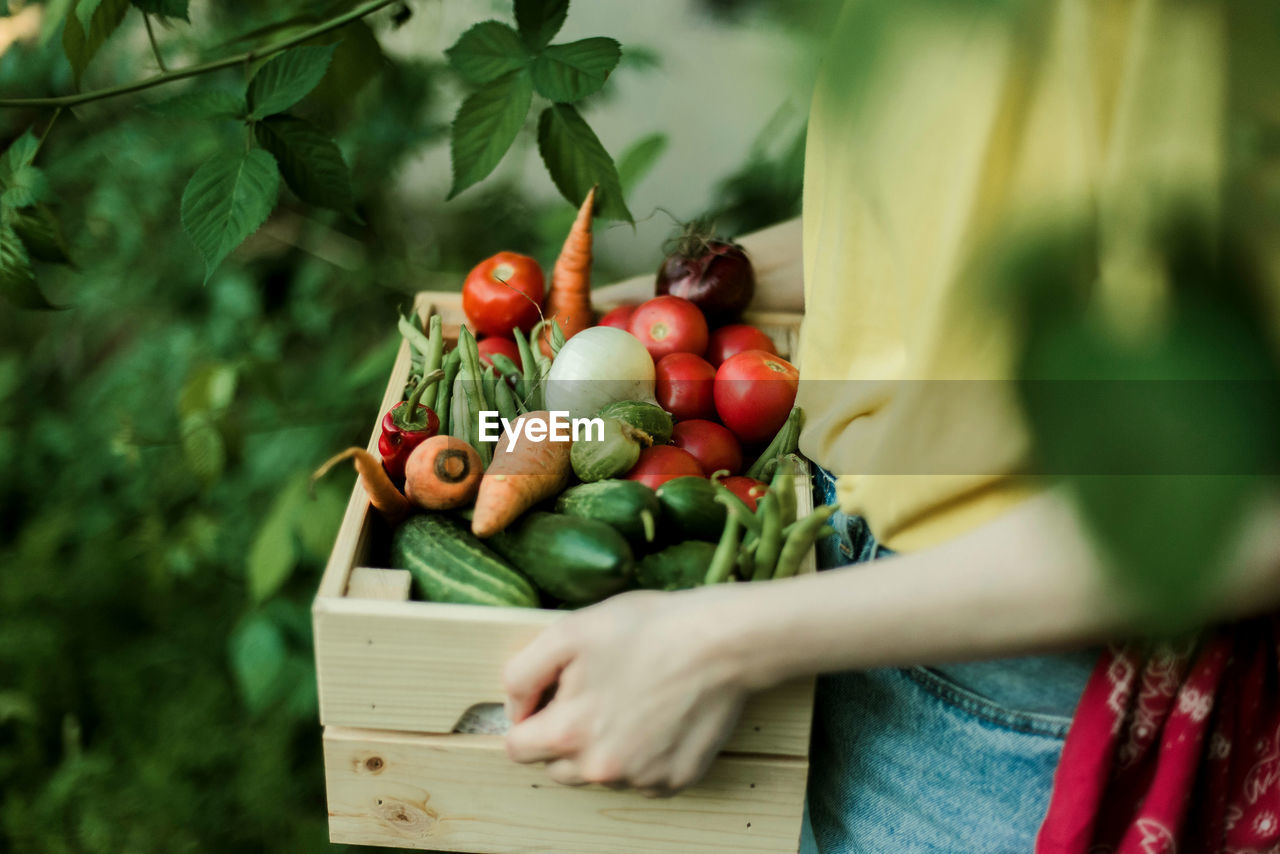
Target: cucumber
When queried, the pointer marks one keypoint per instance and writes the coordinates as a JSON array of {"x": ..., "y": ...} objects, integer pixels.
[
  {"x": 690, "y": 510},
  {"x": 627, "y": 505},
  {"x": 449, "y": 564},
  {"x": 574, "y": 559},
  {"x": 650, "y": 418},
  {"x": 677, "y": 567}
]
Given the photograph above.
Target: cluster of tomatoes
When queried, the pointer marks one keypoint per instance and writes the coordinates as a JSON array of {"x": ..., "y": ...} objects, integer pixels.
[{"x": 727, "y": 389}]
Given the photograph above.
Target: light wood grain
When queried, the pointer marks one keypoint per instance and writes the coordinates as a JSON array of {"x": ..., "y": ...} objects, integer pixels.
[
  {"x": 417, "y": 666},
  {"x": 462, "y": 793},
  {"x": 387, "y": 584}
]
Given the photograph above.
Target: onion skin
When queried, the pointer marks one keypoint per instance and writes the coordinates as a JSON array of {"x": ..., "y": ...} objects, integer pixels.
[{"x": 718, "y": 279}]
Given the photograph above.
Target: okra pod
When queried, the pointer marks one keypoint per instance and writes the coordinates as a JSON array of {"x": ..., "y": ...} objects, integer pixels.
[
  {"x": 726, "y": 554},
  {"x": 770, "y": 537},
  {"x": 800, "y": 540}
]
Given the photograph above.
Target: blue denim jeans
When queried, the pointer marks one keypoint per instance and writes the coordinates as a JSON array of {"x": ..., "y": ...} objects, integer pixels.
[{"x": 954, "y": 759}]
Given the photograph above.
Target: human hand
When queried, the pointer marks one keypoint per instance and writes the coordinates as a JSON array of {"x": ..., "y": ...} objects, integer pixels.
[{"x": 647, "y": 688}]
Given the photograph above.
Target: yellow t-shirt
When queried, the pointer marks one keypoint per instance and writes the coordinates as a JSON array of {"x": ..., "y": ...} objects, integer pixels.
[{"x": 958, "y": 128}]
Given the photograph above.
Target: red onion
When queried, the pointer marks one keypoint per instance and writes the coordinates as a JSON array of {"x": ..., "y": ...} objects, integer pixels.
[{"x": 715, "y": 275}]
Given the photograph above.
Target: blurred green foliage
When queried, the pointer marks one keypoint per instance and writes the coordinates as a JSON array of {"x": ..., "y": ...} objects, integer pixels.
[{"x": 160, "y": 547}]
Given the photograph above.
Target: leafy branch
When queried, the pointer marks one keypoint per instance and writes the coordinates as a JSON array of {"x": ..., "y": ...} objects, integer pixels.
[{"x": 202, "y": 68}]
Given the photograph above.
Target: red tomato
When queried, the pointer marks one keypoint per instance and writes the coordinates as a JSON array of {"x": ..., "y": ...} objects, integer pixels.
[
  {"x": 670, "y": 325},
  {"x": 730, "y": 340},
  {"x": 713, "y": 446},
  {"x": 494, "y": 344},
  {"x": 619, "y": 317},
  {"x": 754, "y": 393},
  {"x": 502, "y": 293},
  {"x": 662, "y": 463},
  {"x": 685, "y": 386},
  {"x": 748, "y": 489}
]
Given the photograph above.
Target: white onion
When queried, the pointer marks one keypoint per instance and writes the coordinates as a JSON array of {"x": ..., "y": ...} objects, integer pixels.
[{"x": 598, "y": 366}]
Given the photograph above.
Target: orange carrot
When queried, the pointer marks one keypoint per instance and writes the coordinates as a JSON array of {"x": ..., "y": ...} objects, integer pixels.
[
  {"x": 383, "y": 494},
  {"x": 442, "y": 473},
  {"x": 517, "y": 479},
  {"x": 569, "y": 299}
]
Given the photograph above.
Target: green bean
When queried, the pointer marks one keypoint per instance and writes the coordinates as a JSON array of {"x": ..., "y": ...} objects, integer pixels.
[
  {"x": 444, "y": 392},
  {"x": 557, "y": 338},
  {"x": 473, "y": 389},
  {"x": 801, "y": 540},
  {"x": 505, "y": 400},
  {"x": 528, "y": 367},
  {"x": 489, "y": 384},
  {"x": 504, "y": 365},
  {"x": 417, "y": 338},
  {"x": 783, "y": 442},
  {"x": 435, "y": 344},
  {"x": 737, "y": 507},
  {"x": 770, "y": 537},
  {"x": 783, "y": 486},
  {"x": 726, "y": 553},
  {"x": 747, "y": 557}
]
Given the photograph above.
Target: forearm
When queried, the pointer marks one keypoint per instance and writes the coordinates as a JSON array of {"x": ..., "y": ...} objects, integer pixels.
[{"x": 1029, "y": 582}]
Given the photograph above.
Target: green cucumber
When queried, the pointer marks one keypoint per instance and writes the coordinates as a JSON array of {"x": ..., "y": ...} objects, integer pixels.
[
  {"x": 613, "y": 454},
  {"x": 628, "y": 505},
  {"x": 649, "y": 418},
  {"x": 677, "y": 567},
  {"x": 690, "y": 510},
  {"x": 449, "y": 564},
  {"x": 574, "y": 559}
]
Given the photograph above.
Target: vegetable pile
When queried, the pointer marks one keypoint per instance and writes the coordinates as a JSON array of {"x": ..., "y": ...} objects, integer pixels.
[{"x": 676, "y": 466}]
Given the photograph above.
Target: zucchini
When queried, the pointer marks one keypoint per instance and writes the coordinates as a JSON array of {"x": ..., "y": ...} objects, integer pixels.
[
  {"x": 677, "y": 567},
  {"x": 649, "y": 418},
  {"x": 627, "y": 505},
  {"x": 690, "y": 510},
  {"x": 449, "y": 564},
  {"x": 574, "y": 559}
]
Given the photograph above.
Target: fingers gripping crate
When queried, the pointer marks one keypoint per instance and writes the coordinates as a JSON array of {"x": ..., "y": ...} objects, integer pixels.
[{"x": 395, "y": 676}]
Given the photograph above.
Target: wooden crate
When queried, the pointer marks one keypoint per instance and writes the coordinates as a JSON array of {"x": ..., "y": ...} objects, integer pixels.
[{"x": 396, "y": 675}]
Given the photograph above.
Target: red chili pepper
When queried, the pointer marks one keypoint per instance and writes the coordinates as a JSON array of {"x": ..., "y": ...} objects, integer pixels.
[{"x": 407, "y": 425}]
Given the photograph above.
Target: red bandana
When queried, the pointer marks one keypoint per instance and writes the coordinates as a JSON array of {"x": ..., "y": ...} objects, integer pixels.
[{"x": 1174, "y": 749}]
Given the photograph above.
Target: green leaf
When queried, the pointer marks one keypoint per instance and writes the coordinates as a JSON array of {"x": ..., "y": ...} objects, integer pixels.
[
  {"x": 22, "y": 152},
  {"x": 226, "y": 200},
  {"x": 42, "y": 235},
  {"x": 17, "y": 280},
  {"x": 25, "y": 187},
  {"x": 310, "y": 162},
  {"x": 167, "y": 8},
  {"x": 81, "y": 43},
  {"x": 286, "y": 79},
  {"x": 84, "y": 12},
  {"x": 209, "y": 390},
  {"x": 486, "y": 125},
  {"x": 577, "y": 161},
  {"x": 487, "y": 51},
  {"x": 634, "y": 163},
  {"x": 318, "y": 521},
  {"x": 202, "y": 104},
  {"x": 540, "y": 20},
  {"x": 203, "y": 447},
  {"x": 569, "y": 72},
  {"x": 273, "y": 555},
  {"x": 257, "y": 652}
]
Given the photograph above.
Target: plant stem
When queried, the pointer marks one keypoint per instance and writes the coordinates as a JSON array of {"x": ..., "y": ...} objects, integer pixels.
[
  {"x": 151, "y": 37},
  {"x": 44, "y": 136},
  {"x": 203, "y": 68}
]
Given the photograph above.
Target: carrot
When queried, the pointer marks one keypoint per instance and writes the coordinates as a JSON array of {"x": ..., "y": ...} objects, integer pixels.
[
  {"x": 569, "y": 298},
  {"x": 517, "y": 479},
  {"x": 383, "y": 494},
  {"x": 442, "y": 473}
]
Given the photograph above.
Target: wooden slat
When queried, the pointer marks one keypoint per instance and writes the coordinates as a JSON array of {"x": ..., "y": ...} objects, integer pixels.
[
  {"x": 418, "y": 666},
  {"x": 462, "y": 793},
  {"x": 387, "y": 584}
]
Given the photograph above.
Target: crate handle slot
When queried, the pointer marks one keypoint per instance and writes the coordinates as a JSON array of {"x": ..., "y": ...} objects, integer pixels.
[{"x": 484, "y": 719}]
